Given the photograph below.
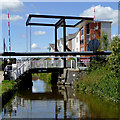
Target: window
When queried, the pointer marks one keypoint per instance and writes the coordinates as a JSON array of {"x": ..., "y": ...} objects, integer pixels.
[
  {"x": 88, "y": 32},
  {"x": 82, "y": 49},
  {"x": 88, "y": 38},
  {"x": 82, "y": 41},
  {"x": 87, "y": 49},
  {"x": 88, "y": 28},
  {"x": 82, "y": 36},
  {"x": 81, "y": 31}
]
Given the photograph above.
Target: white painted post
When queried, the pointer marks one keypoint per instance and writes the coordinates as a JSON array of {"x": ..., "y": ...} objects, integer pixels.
[
  {"x": 46, "y": 63},
  {"x": 71, "y": 63}
]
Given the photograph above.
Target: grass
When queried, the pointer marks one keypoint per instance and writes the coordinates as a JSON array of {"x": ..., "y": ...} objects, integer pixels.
[
  {"x": 6, "y": 86},
  {"x": 45, "y": 76},
  {"x": 98, "y": 83}
]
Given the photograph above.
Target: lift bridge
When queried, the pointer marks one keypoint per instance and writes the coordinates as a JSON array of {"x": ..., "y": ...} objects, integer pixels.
[{"x": 29, "y": 65}]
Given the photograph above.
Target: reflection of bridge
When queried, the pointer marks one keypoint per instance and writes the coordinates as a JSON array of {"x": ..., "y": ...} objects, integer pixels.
[
  {"x": 42, "y": 96},
  {"x": 60, "y": 106}
]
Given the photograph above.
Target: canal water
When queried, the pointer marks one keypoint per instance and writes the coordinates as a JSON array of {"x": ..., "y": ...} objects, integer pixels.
[{"x": 46, "y": 101}]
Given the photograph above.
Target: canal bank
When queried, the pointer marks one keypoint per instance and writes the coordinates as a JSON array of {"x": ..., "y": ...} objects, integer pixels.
[
  {"x": 103, "y": 76},
  {"x": 92, "y": 81},
  {"x": 8, "y": 89}
]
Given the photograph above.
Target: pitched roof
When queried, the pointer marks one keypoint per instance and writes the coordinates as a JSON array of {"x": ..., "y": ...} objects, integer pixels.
[
  {"x": 52, "y": 45},
  {"x": 71, "y": 36}
]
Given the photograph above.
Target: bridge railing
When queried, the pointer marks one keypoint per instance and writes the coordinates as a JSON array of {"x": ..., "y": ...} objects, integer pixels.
[
  {"x": 21, "y": 68},
  {"x": 53, "y": 64},
  {"x": 24, "y": 65},
  {"x": 47, "y": 64}
]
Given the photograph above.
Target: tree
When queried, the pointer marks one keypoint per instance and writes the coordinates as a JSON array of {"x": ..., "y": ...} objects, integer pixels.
[
  {"x": 114, "y": 58},
  {"x": 104, "y": 41}
]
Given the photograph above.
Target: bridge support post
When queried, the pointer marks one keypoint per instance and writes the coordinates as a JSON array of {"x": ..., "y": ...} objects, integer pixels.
[
  {"x": 54, "y": 78},
  {"x": 27, "y": 80},
  {"x": 56, "y": 39},
  {"x": 64, "y": 40}
]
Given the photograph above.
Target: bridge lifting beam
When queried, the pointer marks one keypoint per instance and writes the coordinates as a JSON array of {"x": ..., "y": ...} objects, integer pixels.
[{"x": 60, "y": 23}]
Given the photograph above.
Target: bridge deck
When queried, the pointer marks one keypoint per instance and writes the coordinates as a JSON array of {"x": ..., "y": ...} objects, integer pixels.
[
  {"x": 46, "y": 70},
  {"x": 55, "y": 53}
]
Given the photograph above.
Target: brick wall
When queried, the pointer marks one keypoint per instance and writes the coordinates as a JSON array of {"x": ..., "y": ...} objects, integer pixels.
[
  {"x": 97, "y": 33},
  {"x": 70, "y": 44}
]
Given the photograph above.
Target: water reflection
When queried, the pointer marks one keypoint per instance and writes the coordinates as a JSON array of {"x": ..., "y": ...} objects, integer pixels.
[
  {"x": 44, "y": 101},
  {"x": 38, "y": 86},
  {"x": 58, "y": 102}
]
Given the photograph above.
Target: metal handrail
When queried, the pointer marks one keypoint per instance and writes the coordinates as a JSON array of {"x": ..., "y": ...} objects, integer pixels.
[{"x": 22, "y": 67}]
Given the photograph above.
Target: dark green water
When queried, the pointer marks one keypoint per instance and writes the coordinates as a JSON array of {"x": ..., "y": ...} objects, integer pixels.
[{"x": 44, "y": 101}]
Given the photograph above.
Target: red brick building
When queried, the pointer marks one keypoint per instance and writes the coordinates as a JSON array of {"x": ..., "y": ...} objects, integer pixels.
[{"x": 88, "y": 30}]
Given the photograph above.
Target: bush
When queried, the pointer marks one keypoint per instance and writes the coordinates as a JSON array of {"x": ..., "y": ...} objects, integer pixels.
[
  {"x": 97, "y": 62},
  {"x": 114, "y": 59},
  {"x": 104, "y": 75}
]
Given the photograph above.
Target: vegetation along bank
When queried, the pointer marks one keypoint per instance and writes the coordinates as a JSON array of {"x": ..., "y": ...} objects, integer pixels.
[
  {"x": 103, "y": 75},
  {"x": 44, "y": 76}
]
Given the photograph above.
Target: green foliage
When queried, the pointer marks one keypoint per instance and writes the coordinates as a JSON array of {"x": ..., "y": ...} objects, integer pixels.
[
  {"x": 1, "y": 62},
  {"x": 100, "y": 44},
  {"x": 71, "y": 58},
  {"x": 6, "y": 86},
  {"x": 48, "y": 59},
  {"x": 38, "y": 58},
  {"x": 103, "y": 75},
  {"x": 104, "y": 41},
  {"x": 45, "y": 76},
  {"x": 114, "y": 59},
  {"x": 97, "y": 82},
  {"x": 96, "y": 62}
]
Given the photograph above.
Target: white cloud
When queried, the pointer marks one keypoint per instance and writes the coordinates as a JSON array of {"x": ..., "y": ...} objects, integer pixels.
[
  {"x": 33, "y": 14},
  {"x": 39, "y": 33},
  {"x": 102, "y": 13},
  {"x": 13, "y": 5},
  {"x": 116, "y": 35},
  {"x": 34, "y": 46},
  {"x": 12, "y": 17}
]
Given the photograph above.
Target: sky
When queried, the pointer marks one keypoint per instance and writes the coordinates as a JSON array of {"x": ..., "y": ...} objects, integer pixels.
[{"x": 42, "y": 36}]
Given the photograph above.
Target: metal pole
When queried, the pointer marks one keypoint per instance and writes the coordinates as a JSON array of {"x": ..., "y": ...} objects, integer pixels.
[
  {"x": 64, "y": 40},
  {"x": 26, "y": 39},
  {"x": 56, "y": 38},
  {"x": 30, "y": 38},
  {"x": 4, "y": 45}
]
